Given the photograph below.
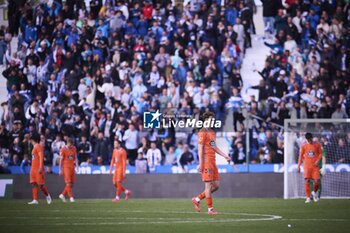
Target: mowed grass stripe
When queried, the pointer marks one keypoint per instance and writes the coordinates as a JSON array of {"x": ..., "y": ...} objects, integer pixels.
[{"x": 176, "y": 215}]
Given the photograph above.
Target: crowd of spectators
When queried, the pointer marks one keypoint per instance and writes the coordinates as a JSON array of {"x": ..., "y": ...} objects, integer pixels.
[
  {"x": 90, "y": 71},
  {"x": 305, "y": 76}
]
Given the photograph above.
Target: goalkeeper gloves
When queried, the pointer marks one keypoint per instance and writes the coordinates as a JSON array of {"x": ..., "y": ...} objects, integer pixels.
[{"x": 323, "y": 170}]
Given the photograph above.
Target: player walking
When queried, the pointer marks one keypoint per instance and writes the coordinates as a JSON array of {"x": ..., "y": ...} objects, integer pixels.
[
  {"x": 119, "y": 163},
  {"x": 68, "y": 156},
  {"x": 311, "y": 153},
  {"x": 37, "y": 171},
  {"x": 322, "y": 168},
  {"x": 207, "y": 165}
]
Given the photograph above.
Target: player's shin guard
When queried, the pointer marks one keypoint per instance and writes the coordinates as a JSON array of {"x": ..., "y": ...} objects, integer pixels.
[
  {"x": 307, "y": 188},
  {"x": 44, "y": 190},
  {"x": 201, "y": 196},
  {"x": 35, "y": 191},
  {"x": 209, "y": 202}
]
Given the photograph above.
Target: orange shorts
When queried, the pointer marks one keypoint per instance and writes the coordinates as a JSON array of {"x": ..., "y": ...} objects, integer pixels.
[
  {"x": 210, "y": 173},
  {"x": 312, "y": 173},
  {"x": 36, "y": 177},
  {"x": 118, "y": 176},
  {"x": 69, "y": 175}
]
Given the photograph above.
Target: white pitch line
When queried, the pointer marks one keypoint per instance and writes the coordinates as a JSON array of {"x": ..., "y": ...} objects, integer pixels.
[
  {"x": 317, "y": 219},
  {"x": 263, "y": 217}
]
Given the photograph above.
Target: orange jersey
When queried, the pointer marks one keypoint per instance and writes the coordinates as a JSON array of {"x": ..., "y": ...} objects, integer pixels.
[
  {"x": 207, "y": 138},
  {"x": 37, "y": 157},
  {"x": 310, "y": 153},
  {"x": 119, "y": 160},
  {"x": 69, "y": 155}
]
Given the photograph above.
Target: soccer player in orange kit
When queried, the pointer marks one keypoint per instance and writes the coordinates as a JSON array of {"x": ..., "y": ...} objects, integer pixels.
[
  {"x": 68, "y": 156},
  {"x": 37, "y": 171},
  {"x": 207, "y": 165},
  {"x": 119, "y": 163},
  {"x": 311, "y": 153}
]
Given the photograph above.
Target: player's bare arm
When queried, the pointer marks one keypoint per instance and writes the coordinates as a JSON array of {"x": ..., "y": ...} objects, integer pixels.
[
  {"x": 300, "y": 160},
  {"x": 218, "y": 151},
  {"x": 61, "y": 164},
  {"x": 200, "y": 157},
  {"x": 41, "y": 156},
  {"x": 124, "y": 164},
  {"x": 76, "y": 164},
  {"x": 111, "y": 165}
]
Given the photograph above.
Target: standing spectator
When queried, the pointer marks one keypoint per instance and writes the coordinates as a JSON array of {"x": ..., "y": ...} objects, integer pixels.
[
  {"x": 131, "y": 142},
  {"x": 84, "y": 149},
  {"x": 101, "y": 151},
  {"x": 154, "y": 157}
]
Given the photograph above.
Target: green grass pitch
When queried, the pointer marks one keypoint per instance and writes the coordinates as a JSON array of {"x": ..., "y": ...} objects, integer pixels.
[{"x": 176, "y": 215}]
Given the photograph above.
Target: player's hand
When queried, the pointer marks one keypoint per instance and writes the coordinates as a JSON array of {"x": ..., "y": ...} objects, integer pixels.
[
  {"x": 323, "y": 170},
  {"x": 60, "y": 173},
  {"x": 298, "y": 169},
  {"x": 76, "y": 169},
  {"x": 200, "y": 169},
  {"x": 228, "y": 159},
  {"x": 40, "y": 170}
]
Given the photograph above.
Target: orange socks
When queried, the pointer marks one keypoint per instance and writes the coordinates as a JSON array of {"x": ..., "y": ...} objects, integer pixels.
[
  {"x": 209, "y": 202},
  {"x": 35, "y": 190},
  {"x": 69, "y": 191},
  {"x": 201, "y": 196},
  {"x": 120, "y": 188},
  {"x": 316, "y": 186},
  {"x": 64, "y": 193},
  {"x": 44, "y": 190},
  {"x": 307, "y": 189}
]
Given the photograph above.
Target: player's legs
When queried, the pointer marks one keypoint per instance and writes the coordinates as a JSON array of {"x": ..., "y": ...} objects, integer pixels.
[
  {"x": 316, "y": 180},
  {"x": 315, "y": 190},
  {"x": 311, "y": 184},
  {"x": 208, "y": 196},
  {"x": 320, "y": 187},
  {"x": 215, "y": 186},
  {"x": 35, "y": 192},
  {"x": 69, "y": 179},
  {"x": 46, "y": 193},
  {"x": 307, "y": 190}
]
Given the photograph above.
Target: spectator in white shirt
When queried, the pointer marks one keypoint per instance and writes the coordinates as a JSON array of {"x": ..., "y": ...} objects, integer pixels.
[
  {"x": 30, "y": 71},
  {"x": 154, "y": 157},
  {"x": 239, "y": 29},
  {"x": 41, "y": 71},
  {"x": 131, "y": 143}
]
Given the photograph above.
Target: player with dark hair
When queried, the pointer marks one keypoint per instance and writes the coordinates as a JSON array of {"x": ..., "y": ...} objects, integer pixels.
[
  {"x": 68, "y": 156},
  {"x": 311, "y": 153},
  {"x": 119, "y": 163},
  {"x": 207, "y": 164},
  {"x": 37, "y": 171}
]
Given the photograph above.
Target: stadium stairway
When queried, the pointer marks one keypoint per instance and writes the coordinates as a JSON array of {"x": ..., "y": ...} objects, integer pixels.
[{"x": 254, "y": 58}]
